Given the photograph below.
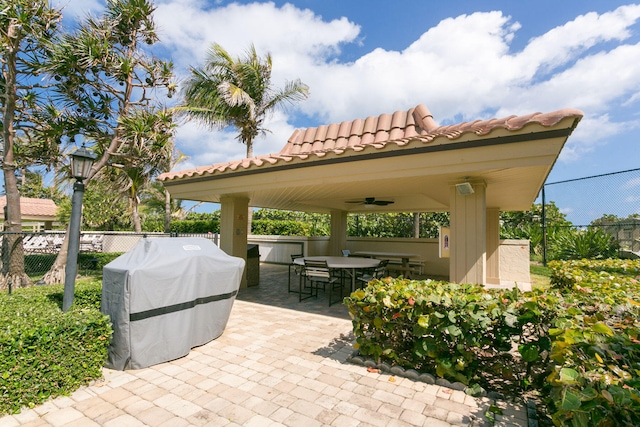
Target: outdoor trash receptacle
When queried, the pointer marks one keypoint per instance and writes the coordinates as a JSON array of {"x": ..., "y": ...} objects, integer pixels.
[
  {"x": 253, "y": 265},
  {"x": 166, "y": 296}
]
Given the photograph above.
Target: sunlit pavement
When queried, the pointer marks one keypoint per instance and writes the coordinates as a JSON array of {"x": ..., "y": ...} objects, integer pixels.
[{"x": 279, "y": 362}]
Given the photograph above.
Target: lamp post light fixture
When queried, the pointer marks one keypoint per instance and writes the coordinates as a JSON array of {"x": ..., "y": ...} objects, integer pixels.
[{"x": 81, "y": 162}]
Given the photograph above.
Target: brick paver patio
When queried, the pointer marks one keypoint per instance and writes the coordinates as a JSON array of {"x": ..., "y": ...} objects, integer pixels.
[{"x": 278, "y": 363}]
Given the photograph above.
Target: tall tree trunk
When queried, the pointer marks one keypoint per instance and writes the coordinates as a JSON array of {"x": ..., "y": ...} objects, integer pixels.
[
  {"x": 416, "y": 224},
  {"x": 167, "y": 211},
  {"x": 58, "y": 270},
  {"x": 250, "y": 210},
  {"x": 135, "y": 215},
  {"x": 12, "y": 249}
]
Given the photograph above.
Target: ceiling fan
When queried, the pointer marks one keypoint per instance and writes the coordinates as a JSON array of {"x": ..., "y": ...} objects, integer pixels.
[{"x": 371, "y": 201}]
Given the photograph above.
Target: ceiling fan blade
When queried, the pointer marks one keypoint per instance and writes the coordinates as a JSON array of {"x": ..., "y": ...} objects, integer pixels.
[{"x": 369, "y": 201}]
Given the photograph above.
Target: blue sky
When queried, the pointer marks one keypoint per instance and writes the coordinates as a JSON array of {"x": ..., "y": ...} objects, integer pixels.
[{"x": 465, "y": 60}]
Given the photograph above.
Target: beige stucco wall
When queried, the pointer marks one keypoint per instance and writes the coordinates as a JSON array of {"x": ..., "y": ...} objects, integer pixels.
[
  {"x": 426, "y": 248},
  {"x": 514, "y": 254},
  {"x": 278, "y": 249},
  {"x": 514, "y": 261}
]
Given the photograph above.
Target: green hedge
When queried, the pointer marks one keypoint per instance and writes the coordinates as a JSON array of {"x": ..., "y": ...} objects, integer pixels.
[
  {"x": 39, "y": 264},
  {"x": 281, "y": 227},
  {"x": 44, "y": 352},
  {"x": 195, "y": 226},
  {"x": 578, "y": 344},
  {"x": 97, "y": 260}
]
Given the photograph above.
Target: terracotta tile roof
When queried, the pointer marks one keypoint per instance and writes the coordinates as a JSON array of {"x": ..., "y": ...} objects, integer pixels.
[
  {"x": 386, "y": 131},
  {"x": 376, "y": 131},
  {"x": 33, "y": 207}
]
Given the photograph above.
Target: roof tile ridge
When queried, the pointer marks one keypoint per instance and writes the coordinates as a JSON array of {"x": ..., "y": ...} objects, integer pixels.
[
  {"x": 399, "y": 119},
  {"x": 332, "y": 131},
  {"x": 518, "y": 122},
  {"x": 357, "y": 128},
  {"x": 554, "y": 117},
  {"x": 295, "y": 136},
  {"x": 370, "y": 125},
  {"x": 410, "y": 127},
  {"x": 309, "y": 135},
  {"x": 344, "y": 129},
  {"x": 321, "y": 133},
  {"x": 424, "y": 118},
  {"x": 383, "y": 128}
]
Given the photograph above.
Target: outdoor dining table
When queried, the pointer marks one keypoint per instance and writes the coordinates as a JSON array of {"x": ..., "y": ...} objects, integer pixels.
[
  {"x": 386, "y": 255},
  {"x": 348, "y": 264}
]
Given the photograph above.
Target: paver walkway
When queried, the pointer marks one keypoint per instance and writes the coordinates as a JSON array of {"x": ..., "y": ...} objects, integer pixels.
[{"x": 273, "y": 366}]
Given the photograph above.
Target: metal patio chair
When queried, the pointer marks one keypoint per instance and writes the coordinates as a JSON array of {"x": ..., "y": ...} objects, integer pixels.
[
  {"x": 297, "y": 269},
  {"x": 376, "y": 273},
  {"x": 319, "y": 274}
]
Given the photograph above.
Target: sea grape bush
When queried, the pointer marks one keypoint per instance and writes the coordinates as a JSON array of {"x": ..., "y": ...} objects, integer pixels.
[
  {"x": 577, "y": 344},
  {"x": 450, "y": 329},
  {"x": 596, "y": 344}
]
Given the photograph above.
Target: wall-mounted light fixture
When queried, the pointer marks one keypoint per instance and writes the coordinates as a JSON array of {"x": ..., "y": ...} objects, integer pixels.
[{"x": 464, "y": 189}]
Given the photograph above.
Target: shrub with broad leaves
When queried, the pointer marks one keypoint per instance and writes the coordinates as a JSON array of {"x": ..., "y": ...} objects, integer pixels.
[{"x": 577, "y": 344}]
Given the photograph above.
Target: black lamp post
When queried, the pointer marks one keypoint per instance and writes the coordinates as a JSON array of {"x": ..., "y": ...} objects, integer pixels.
[{"x": 81, "y": 162}]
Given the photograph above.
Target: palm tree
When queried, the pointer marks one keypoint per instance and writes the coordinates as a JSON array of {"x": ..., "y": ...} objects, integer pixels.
[
  {"x": 103, "y": 76},
  {"x": 148, "y": 150},
  {"x": 236, "y": 92}
]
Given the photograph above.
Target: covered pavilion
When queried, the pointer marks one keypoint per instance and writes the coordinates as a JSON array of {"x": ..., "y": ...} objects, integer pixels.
[{"x": 473, "y": 170}]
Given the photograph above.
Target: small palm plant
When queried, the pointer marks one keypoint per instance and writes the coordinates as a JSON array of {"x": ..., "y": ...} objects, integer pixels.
[{"x": 591, "y": 243}]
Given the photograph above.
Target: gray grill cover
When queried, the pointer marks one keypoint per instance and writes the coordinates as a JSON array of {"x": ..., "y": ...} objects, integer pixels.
[{"x": 166, "y": 296}]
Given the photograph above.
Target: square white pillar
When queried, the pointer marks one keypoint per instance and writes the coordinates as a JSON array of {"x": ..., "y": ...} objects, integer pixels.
[
  {"x": 233, "y": 229},
  {"x": 338, "y": 239},
  {"x": 468, "y": 243},
  {"x": 493, "y": 246}
]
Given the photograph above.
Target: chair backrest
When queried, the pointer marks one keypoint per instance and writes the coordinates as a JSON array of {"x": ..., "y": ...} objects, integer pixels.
[
  {"x": 346, "y": 252},
  {"x": 294, "y": 256},
  {"x": 316, "y": 269},
  {"x": 381, "y": 269}
]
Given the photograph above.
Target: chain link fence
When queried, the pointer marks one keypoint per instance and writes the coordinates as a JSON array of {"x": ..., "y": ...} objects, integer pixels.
[
  {"x": 608, "y": 202},
  {"x": 96, "y": 248}
]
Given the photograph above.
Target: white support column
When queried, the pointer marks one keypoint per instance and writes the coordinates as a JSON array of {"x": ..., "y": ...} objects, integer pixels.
[
  {"x": 493, "y": 246},
  {"x": 468, "y": 235},
  {"x": 338, "y": 239},
  {"x": 233, "y": 229}
]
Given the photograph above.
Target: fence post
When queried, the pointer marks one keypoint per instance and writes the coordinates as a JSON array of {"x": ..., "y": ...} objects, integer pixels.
[{"x": 544, "y": 229}]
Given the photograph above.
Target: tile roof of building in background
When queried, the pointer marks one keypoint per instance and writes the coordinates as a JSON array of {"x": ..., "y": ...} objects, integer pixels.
[
  {"x": 33, "y": 207},
  {"x": 384, "y": 131}
]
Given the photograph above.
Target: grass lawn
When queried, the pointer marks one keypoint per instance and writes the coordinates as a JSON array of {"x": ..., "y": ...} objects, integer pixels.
[{"x": 540, "y": 276}]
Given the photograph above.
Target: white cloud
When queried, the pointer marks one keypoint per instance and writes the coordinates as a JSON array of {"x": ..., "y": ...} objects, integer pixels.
[
  {"x": 77, "y": 9},
  {"x": 288, "y": 33},
  {"x": 566, "y": 211},
  {"x": 592, "y": 132},
  {"x": 632, "y": 183},
  {"x": 562, "y": 44},
  {"x": 461, "y": 68},
  {"x": 205, "y": 147}
]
